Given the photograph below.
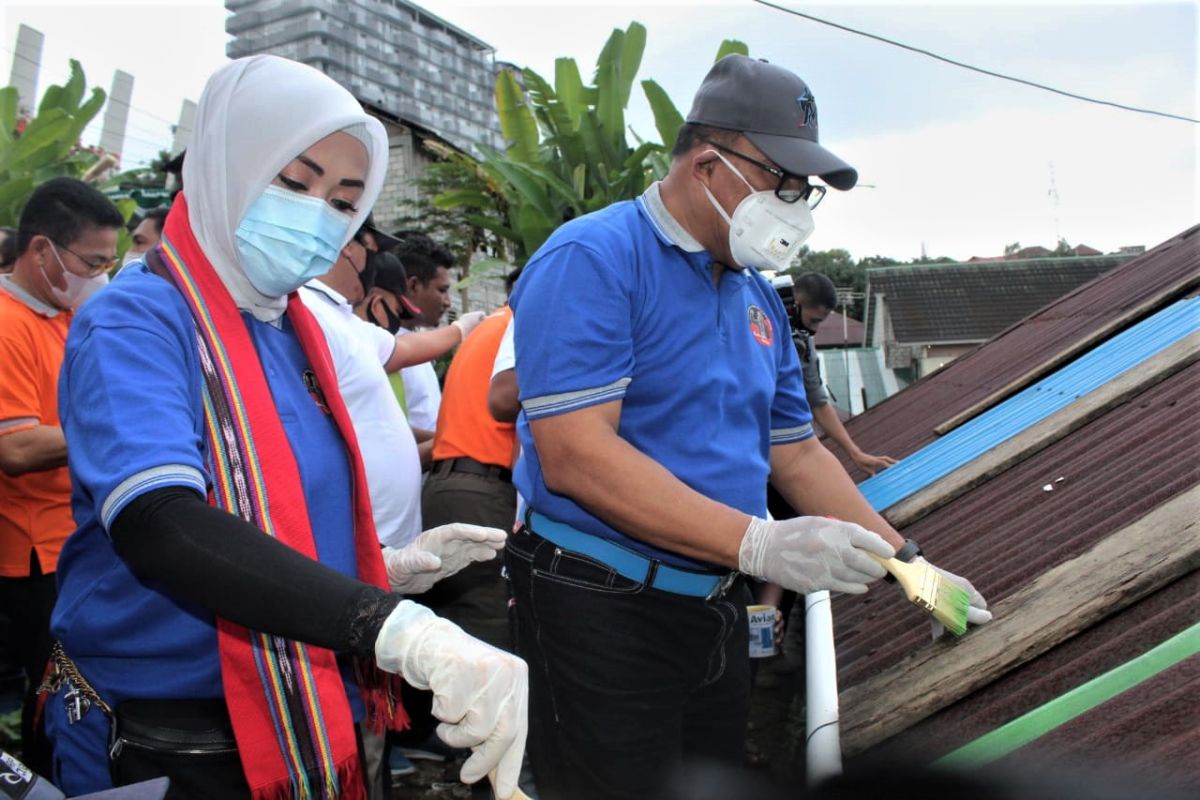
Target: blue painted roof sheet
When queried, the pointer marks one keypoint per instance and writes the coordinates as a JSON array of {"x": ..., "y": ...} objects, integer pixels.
[{"x": 1093, "y": 369}]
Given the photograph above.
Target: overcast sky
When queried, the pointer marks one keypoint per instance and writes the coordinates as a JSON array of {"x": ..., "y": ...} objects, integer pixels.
[{"x": 950, "y": 161}]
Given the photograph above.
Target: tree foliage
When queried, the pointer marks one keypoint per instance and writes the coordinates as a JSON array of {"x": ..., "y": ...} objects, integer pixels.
[
  {"x": 568, "y": 152},
  {"x": 46, "y": 146}
]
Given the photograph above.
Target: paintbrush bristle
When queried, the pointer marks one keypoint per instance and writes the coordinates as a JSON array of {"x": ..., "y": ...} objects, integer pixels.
[
  {"x": 926, "y": 587},
  {"x": 951, "y": 606}
]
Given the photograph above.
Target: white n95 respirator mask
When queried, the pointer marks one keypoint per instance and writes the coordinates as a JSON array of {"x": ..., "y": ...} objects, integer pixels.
[{"x": 764, "y": 231}]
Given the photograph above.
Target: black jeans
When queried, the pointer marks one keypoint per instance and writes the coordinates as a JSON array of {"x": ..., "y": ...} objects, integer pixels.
[
  {"x": 627, "y": 685},
  {"x": 29, "y": 603}
]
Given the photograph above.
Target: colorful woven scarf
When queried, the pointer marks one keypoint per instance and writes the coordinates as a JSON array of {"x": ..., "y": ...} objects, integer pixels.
[{"x": 286, "y": 699}]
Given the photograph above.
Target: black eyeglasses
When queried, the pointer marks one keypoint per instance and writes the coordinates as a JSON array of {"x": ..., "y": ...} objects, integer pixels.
[
  {"x": 94, "y": 267},
  {"x": 808, "y": 192}
]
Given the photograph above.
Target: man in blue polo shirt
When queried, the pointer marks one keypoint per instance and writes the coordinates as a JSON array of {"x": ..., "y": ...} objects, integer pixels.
[{"x": 660, "y": 390}]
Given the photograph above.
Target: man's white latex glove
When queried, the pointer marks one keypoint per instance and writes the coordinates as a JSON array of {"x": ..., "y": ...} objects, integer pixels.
[
  {"x": 439, "y": 553},
  {"x": 808, "y": 554},
  {"x": 480, "y": 693},
  {"x": 977, "y": 613},
  {"x": 468, "y": 322}
]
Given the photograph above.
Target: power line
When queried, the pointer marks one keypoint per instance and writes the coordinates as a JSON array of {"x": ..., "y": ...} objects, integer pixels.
[{"x": 980, "y": 70}]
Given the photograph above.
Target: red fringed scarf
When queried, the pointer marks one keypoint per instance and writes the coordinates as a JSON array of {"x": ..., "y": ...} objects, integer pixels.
[{"x": 287, "y": 700}]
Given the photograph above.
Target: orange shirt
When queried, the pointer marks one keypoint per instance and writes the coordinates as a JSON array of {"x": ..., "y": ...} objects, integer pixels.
[
  {"x": 35, "y": 508},
  {"x": 464, "y": 426}
]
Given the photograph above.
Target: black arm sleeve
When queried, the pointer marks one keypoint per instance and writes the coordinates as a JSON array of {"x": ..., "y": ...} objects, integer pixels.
[{"x": 204, "y": 556}]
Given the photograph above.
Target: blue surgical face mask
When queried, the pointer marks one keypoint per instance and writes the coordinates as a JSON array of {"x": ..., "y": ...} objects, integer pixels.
[{"x": 286, "y": 239}]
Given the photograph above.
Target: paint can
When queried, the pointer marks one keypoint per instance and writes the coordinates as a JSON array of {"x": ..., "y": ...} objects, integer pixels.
[{"x": 762, "y": 631}]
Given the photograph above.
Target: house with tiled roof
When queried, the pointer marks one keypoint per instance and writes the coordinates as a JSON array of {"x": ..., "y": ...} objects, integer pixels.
[
  {"x": 1058, "y": 467},
  {"x": 923, "y": 316}
]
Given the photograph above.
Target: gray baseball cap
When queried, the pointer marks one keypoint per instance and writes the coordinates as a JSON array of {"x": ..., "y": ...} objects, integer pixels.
[{"x": 775, "y": 110}]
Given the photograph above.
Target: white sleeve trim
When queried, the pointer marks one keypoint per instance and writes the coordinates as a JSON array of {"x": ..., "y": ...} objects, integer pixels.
[
  {"x": 551, "y": 404},
  {"x": 144, "y": 481},
  {"x": 787, "y": 435}
]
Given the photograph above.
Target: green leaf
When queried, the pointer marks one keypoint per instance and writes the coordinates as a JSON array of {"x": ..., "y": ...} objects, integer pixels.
[
  {"x": 51, "y": 99},
  {"x": 637, "y": 157},
  {"x": 731, "y": 46},
  {"x": 667, "y": 118},
  {"x": 564, "y": 189},
  {"x": 462, "y": 198},
  {"x": 517, "y": 123},
  {"x": 91, "y": 108},
  {"x": 490, "y": 224},
  {"x": 73, "y": 90},
  {"x": 534, "y": 228},
  {"x": 530, "y": 186},
  {"x": 44, "y": 132},
  {"x": 579, "y": 180},
  {"x": 631, "y": 59},
  {"x": 610, "y": 114},
  {"x": 8, "y": 113},
  {"x": 13, "y": 192},
  {"x": 569, "y": 88}
]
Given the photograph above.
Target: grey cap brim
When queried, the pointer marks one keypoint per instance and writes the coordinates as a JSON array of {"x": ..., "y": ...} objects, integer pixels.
[{"x": 802, "y": 157}]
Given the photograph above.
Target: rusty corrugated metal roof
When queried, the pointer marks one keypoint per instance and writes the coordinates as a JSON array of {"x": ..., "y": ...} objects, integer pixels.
[
  {"x": 1151, "y": 727},
  {"x": 905, "y": 422},
  {"x": 1007, "y": 531}
]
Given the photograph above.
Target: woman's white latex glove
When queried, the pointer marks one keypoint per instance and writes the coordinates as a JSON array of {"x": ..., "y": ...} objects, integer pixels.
[
  {"x": 468, "y": 322},
  {"x": 977, "y": 613},
  {"x": 808, "y": 554},
  {"x": 439, "y": 553},
  {"x": 480, "y": 693}
]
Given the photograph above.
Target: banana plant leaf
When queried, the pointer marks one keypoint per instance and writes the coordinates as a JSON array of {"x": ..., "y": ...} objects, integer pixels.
[
  {"x": 667, "y": 118},
  {"x": 731, "y": 46},
  {"x": 517, "y": 124}
]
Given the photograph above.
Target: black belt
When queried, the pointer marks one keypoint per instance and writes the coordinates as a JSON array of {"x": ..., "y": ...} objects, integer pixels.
[{"x": 472, "y": 467}]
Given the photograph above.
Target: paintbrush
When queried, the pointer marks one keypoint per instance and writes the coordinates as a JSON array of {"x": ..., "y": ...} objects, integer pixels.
[{"x": 926, "y": 587}]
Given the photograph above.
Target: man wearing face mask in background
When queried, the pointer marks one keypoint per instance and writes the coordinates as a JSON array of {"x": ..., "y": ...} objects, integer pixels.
[
  {"x": 660, "y": 390},
  {"x": 67, "y": 241}
]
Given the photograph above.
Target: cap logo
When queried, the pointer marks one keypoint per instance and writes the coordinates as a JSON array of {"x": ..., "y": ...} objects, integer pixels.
[
  {"x": 808, "y": 108},
  {"x": 760, "y": 326}
]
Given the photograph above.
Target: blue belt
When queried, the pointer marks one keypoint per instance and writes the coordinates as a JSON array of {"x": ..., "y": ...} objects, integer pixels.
[{"x": 631, "y": 564}]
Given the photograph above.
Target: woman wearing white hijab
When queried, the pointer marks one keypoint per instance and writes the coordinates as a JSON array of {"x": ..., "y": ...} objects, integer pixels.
[{"x": 203, "y": 413}]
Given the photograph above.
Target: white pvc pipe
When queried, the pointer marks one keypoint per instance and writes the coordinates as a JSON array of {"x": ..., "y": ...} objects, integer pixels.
[{"x": 824, "y": 746}]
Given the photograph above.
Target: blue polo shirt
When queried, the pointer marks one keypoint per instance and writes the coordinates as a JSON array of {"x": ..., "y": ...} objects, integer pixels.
[
  {"x": 621, "y": 304},
  {"x": 130, "y": 395}
]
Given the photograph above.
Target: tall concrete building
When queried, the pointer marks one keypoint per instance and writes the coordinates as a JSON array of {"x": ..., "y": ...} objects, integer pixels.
[
  {"x": 27, "y": 58},
  {"x": 421, "y": 76},
  {"x": 391, "y": 54},
  {"x": 116, "y": 113}
]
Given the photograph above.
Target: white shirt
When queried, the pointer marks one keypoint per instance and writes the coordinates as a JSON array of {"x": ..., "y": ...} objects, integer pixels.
[
  {"x": 422, "y": 393},
  {"x": 506, "y": 358},
  {"x": 506, "y": 355},
  {"x": 389, "y": 451}
]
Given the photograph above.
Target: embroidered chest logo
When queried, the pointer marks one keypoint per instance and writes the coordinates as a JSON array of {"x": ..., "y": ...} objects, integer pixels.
[{"x": 760, "y": 326}]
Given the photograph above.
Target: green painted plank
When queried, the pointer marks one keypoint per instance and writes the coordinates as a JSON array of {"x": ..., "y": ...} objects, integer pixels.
[{"x": 1040, "y": 721}]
